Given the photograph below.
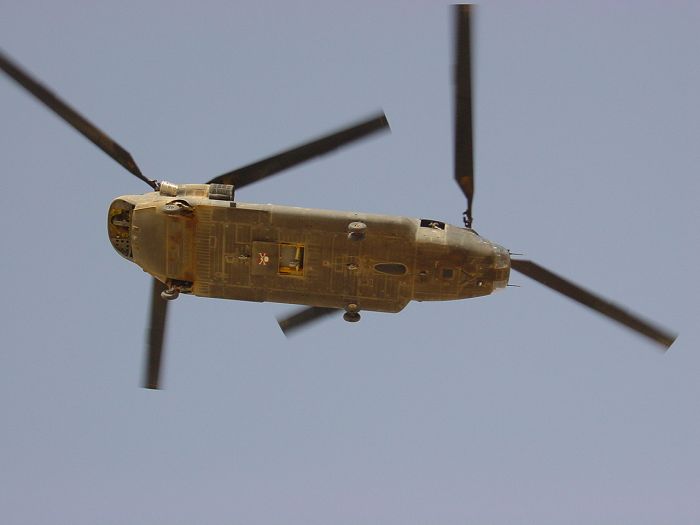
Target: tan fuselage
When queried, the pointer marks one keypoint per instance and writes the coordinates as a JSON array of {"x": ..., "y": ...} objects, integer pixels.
[{"x": 264, "y": 252}]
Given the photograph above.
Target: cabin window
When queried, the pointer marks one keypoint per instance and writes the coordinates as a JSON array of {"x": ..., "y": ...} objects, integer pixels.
[
  {"x": 448, "y": 273},
  {"x": 391, "y": 268},
  {"x": 430, "y": 223},
  {"x": 291, "y": 260}
]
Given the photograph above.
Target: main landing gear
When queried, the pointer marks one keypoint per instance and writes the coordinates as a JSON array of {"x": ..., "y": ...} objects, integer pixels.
[
  {"x": 170, "y": 294},
  {"x": 352, "y": 314},
  {"x": 174, "y": 288}
]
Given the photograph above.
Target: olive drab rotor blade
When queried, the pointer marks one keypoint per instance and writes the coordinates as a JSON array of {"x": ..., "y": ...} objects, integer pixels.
[
  {"x": 305, "y": 317},
  {"x": 155, "y": 337},
  {"x": 463, "y": 121},
  {"x": 72, "y": 117},
  {"x": 595, "y": 302},
  {"x": 281, "y": 161}
]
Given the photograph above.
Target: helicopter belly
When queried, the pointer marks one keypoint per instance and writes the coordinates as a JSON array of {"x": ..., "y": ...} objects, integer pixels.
[
  {"x": 265, "y": 252},
  {"x": 302, "y": 256}
]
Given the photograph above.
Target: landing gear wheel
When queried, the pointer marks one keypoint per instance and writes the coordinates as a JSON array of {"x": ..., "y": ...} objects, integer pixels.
[
  {"x": 351, "y": 317},
  {"x": 351, "y": 314},
  {"x": 356, "y": 231},
  {"x": 170, "y": 294}
]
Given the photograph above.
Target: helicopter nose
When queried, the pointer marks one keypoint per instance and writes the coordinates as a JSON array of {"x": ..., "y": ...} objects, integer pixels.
[
  {"x": 485, "y": 267},
  {"x": 501, "y": 267}
]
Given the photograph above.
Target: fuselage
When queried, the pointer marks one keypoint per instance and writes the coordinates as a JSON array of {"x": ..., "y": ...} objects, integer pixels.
[{"x": 198, "y": 238}]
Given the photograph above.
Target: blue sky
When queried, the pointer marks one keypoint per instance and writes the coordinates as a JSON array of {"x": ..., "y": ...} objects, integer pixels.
[{"x": 521, "y": 407}]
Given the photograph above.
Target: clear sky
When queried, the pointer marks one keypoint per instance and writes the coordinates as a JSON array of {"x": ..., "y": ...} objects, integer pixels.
[{"x": 521, "y": 407}]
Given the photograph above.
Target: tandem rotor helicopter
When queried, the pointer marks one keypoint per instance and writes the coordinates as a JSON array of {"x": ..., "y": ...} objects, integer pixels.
[{"x": 198, "y": 239}]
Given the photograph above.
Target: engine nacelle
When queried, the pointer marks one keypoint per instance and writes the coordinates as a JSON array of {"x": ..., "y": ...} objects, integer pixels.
[{"x": 219, "y": 192}]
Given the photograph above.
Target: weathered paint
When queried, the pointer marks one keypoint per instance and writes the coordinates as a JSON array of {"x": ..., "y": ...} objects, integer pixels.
[{"x": 284, "y": 254}]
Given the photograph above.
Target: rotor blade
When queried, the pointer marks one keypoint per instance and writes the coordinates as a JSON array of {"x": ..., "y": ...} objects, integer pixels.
[
  {"x": 72, "y": 117},
  {"x": 270, "y": 166},
  {"x": 597, "y": 303},
  {"x": 156, "y": 335},
  {"x": 463, "y": 145},
  {"x": 303, "y": 317}
]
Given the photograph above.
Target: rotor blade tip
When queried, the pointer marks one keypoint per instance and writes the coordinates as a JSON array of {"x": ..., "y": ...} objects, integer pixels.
[
  {"x": 283, "y": 326},
  {"x": 385, "y": 121}
]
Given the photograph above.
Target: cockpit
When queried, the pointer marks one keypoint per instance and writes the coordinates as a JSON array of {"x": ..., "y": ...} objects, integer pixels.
[{"x": 119, "y": 226}]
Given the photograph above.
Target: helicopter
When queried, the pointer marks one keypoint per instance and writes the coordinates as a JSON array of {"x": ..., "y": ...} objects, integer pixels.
[{"x": 199, "y": 239}]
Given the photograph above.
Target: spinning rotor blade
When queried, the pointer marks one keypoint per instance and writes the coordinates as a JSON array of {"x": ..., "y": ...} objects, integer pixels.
[
  {"x": 463, "y": 145},
  {"x": 156, "y": 334},
  {"x": 304, "y": 317},
  {"x": 72, "y": 117},
  {"x": 270, "y": 166},
  {"x": 600, "y": 305}
]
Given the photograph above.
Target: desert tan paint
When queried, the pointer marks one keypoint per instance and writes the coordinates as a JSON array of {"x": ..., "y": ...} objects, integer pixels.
[{"x": 187, "y": 237}]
